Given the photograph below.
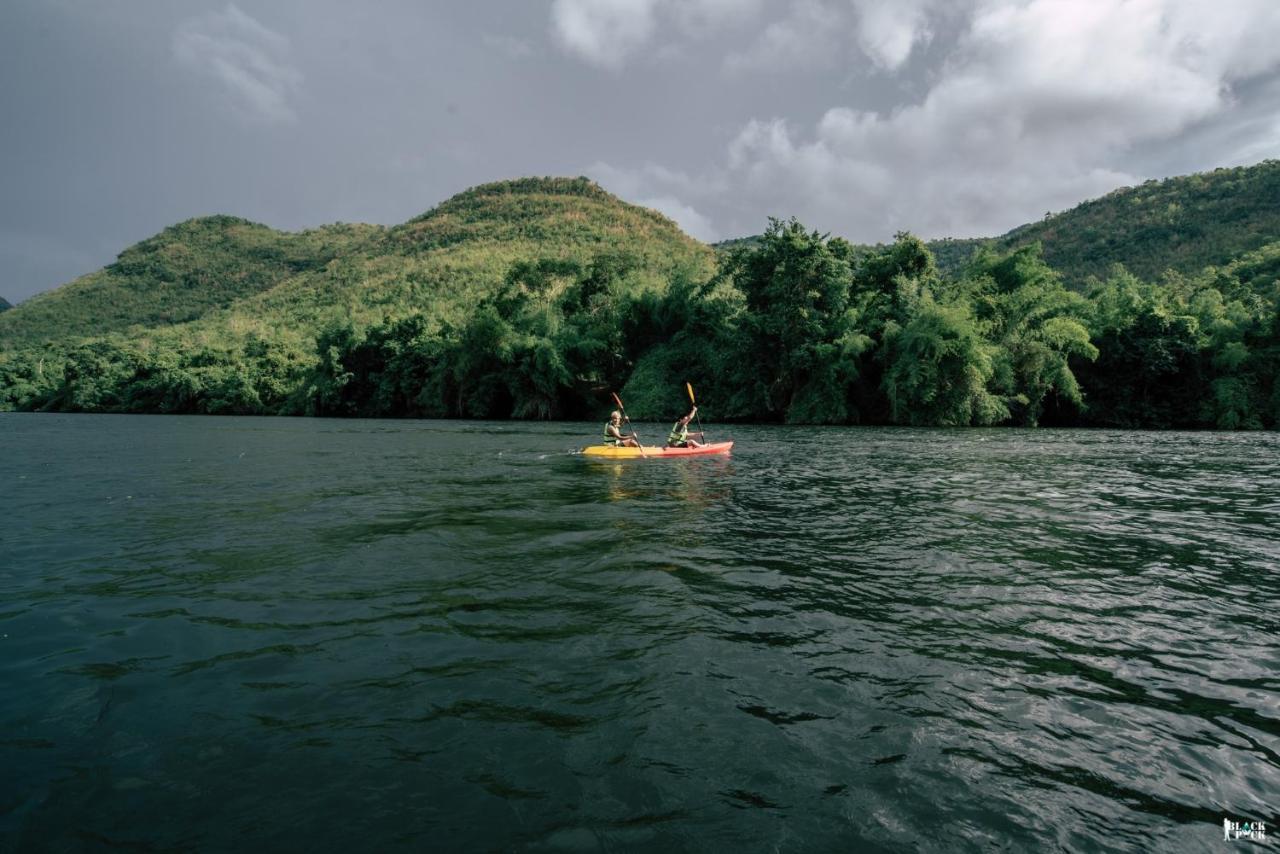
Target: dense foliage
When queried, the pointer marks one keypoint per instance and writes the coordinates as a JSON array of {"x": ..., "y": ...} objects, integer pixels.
[
  {"x": 182, "y": 274},
  {"x": 536, "y": 298},
  {"x": 1181, "y": 224}
]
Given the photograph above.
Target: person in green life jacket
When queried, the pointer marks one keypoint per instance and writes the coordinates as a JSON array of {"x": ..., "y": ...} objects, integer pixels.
[
  {"x": 613, "y": 433},
  {"x": 680, "y": 437}
]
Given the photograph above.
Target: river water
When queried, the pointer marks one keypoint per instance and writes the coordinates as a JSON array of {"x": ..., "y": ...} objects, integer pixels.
[{"x": 308, "y": 635}]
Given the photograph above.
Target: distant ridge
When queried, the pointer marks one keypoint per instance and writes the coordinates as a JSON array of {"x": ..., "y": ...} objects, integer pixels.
[
  {"x": 5, "y": 305},
  {"x": 1183, "y": 224},
  {"x": 181, "y": 274},
  {"x": 225, "y": 273},
  {"x": 1180, "y": 224}
]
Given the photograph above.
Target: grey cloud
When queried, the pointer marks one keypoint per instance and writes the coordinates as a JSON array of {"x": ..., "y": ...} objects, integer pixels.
[
  {"x": 250, "y": 61},
  {"x": 1039, "y": 107},
  {"x": 25, "y": 255},
  {"x": 509, "y": 46},
  {"x": 939, "y": 117},
  {"x": 888, "y": 32},
  {"x": 609, "y": 33},
  {"x": 604, "y": 32},
  {"x": 808, "y": 36}
]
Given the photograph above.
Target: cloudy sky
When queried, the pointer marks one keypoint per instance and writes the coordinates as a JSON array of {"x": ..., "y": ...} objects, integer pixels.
[{"x": 861, "y": 117}]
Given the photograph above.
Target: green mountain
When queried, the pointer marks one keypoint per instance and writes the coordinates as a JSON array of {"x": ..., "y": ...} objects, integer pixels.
[
  {"x": 1182, "y": 224},
  {"x": 4, "y": 304},
  {"x": 221, "y": 302},
  {"x": 222, "y": 273},
  {"x": 182, "y": 274},
  {"x": 535, "y": 298}
]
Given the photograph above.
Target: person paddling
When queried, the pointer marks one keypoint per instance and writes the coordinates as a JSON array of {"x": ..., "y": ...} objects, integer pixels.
[
  {"x": 613, "y": 433},
  {"x": 680, "y": 436}
]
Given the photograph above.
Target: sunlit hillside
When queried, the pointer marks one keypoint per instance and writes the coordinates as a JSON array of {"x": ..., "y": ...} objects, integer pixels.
[
  {"x": 1182, "y": 224},
  {"x": 217, "y": 304},
  {"x": 182, "y": 274}
]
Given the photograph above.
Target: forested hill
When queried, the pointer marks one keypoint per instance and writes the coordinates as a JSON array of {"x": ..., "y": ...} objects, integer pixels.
[
  {"x": 4, "y": 304},
  {"x": 223, "y": 315},
  {"x": 181, "y": 274},
  {"x": 535, "y": 298},
  {"x": 223, "y": 268},
  {"x": 1182, "y": 224}
]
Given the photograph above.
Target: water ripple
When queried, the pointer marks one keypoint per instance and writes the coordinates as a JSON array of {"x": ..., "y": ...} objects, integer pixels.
[{"x": 407, "y": 635}]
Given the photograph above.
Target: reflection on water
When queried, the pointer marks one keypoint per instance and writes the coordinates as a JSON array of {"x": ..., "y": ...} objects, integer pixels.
[
  {"x": 404, "y": 635},
  {"x": 690, "y": 485}
]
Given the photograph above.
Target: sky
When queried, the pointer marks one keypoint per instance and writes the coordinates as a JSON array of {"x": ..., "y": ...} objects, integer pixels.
[{"x": 862, "y": 118}]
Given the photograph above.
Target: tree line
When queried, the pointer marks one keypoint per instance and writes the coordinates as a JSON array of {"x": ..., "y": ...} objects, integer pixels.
[{"x": 795, "y": 327}]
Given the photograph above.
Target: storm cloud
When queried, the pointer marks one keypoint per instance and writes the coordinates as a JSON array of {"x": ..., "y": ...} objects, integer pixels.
[{"x": 860, "y": 117}]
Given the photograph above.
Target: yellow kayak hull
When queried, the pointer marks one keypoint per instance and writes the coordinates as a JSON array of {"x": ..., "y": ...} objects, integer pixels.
[{"x": 611, "y": 452}]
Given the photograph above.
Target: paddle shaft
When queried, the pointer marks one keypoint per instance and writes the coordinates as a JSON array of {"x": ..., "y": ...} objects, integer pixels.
[
  {"x": 627, "y": 418},
  {"x": 689, "y": 388}
]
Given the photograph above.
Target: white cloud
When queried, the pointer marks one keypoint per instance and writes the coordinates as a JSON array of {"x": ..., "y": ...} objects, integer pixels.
[
  {"x": 819, "y": 33},
  {"x": 603, "y": 32},
  {"x": 607, "y": 33},
  {"x": 1038, "y": 103},
  {"x": 808, "y": 34},
  {"x": 888, "y": 31},
  {"x": 250, "y": 62}
]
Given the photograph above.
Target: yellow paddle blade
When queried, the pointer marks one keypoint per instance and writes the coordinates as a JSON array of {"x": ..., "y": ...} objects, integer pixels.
[{"x": 689, "y": 386}]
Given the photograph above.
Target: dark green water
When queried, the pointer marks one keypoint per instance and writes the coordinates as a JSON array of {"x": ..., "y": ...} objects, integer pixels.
[{"x": 302, "y": 635}]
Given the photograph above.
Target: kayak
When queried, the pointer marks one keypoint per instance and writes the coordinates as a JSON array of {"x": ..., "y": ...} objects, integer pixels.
[{"x": 615, "y": 453}]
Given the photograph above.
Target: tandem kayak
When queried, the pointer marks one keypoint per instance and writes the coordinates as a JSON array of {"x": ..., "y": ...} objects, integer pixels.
[{"x": 615, "y": 453}]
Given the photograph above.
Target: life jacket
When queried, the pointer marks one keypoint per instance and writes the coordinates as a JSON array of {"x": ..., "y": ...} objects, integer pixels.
[
  {"x": 679, "y": 435},
  {"x": 609, "y": 438}
]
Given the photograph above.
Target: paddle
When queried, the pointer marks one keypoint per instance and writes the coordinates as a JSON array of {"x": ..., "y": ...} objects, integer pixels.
[
  {"x": 623, "y": 410},
  {"x": 689, "y": 388}
]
